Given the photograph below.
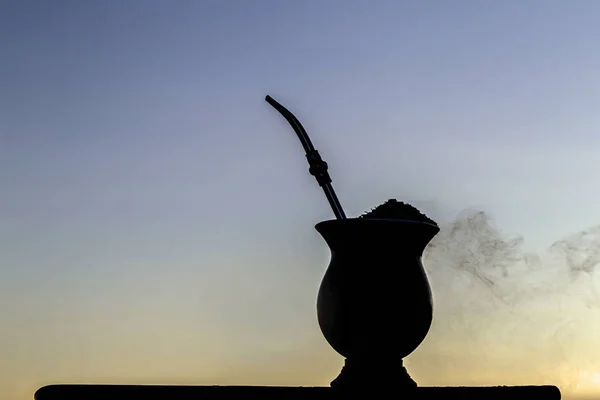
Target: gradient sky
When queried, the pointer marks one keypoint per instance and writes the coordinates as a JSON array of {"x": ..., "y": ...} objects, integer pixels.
[{"x": 156, "y": 215}]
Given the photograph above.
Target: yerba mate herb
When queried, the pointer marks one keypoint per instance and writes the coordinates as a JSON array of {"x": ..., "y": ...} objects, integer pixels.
[{"x": 393, "y": 209}]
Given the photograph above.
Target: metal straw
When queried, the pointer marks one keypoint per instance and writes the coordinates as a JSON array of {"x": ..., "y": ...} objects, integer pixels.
[{"x": 317, "y": 166}]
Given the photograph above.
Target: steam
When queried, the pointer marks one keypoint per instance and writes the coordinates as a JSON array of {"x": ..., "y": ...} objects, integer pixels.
[
  {"x": 503, "y": 300},
  {"x": 472, "y": 244}
]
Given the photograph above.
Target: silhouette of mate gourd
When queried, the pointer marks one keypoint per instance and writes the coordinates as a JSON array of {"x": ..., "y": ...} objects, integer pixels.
[{"x": 374, "y": 304}]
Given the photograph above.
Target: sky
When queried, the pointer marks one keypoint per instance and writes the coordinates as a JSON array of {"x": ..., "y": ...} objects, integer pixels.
[{"x": 157, "y": 215}]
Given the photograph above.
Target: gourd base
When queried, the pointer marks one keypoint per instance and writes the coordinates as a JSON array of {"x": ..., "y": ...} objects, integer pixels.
[{"x": 367, "y": 374}]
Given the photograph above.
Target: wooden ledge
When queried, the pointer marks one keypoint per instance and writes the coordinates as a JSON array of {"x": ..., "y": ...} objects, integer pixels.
[{"x": 155, "y": 392}]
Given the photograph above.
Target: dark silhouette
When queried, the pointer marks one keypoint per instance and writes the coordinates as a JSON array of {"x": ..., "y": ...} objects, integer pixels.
[
  {"x": 318, "y": 167},
  {"x": 374, "y": 304},
  {"x": 148, "y": 392},
  {"x": 374, "y": 307}
]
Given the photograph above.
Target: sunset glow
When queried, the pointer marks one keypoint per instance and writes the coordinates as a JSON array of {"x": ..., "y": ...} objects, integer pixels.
[{"x": 157, "y": 216}]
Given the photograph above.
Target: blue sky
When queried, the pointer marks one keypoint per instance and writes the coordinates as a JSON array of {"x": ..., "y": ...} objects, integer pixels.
[{"x": 157, "y": 215}]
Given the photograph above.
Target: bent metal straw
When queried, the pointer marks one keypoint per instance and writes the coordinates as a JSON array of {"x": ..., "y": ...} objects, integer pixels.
[{"x": 317, "y": 166}]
